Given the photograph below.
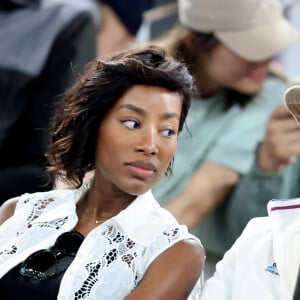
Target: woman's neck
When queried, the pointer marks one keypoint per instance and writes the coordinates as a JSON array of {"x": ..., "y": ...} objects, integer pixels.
[{"x": 96, "y": 207}]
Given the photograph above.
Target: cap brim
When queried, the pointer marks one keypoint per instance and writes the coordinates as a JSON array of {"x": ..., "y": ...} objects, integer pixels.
[{"x": 261, "y": 42}]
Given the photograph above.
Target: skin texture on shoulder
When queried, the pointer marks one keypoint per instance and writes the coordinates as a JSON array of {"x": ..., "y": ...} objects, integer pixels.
[
  {"x": 179, "y": 266},
  {"x": 7, "y": 209}
]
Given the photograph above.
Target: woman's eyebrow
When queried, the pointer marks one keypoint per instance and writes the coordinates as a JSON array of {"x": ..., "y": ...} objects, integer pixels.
[
  {"x": 143, "y": 112},
  {"x": 169, "y": 116},
  {"x": 134, "y": 108}
]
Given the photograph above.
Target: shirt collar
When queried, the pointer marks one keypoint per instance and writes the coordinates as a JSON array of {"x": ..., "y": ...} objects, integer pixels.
[
  {"x": 284, "y": 213},
  {"x": 142, "y": 221},
  {"x": 282, "y": 206}
]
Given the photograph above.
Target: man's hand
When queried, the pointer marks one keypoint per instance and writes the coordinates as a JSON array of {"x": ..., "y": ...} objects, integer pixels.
[{"x": 281, "y": 143}]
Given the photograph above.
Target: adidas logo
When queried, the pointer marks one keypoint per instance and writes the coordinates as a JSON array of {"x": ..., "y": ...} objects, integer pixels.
[{"x": 272, "y": 269}]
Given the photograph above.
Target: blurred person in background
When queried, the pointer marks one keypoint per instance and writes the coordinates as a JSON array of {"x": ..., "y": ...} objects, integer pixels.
[
  {"x": 44, "y": 43},
  {"x": 120, "y": 22},
  {"x": 275, "y": 172},
  {"x": 264, "y": 261},
  {"x": 229, "y": 47}
]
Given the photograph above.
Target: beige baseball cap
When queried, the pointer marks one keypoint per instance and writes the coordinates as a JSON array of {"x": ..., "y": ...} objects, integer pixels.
[{"x": 254, "y": 29}]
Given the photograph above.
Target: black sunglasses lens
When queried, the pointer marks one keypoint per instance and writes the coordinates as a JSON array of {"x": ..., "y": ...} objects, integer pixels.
[
  {"x": 69, "y": 243},
  {"x": 44, "y": 263},
  {"x": 39, "y": 265}
]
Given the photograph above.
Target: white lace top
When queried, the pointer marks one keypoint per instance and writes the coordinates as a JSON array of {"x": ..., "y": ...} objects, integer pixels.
[{"x": 112, "y": 258}]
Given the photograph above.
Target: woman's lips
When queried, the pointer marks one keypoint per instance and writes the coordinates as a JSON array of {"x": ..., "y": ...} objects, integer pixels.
[{"x": 141, "y": 169}]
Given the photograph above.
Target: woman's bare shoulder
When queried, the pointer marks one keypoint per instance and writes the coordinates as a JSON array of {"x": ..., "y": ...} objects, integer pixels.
[
  {"x": 7, "y": 209},
  {"x": 173, "y": 273}
]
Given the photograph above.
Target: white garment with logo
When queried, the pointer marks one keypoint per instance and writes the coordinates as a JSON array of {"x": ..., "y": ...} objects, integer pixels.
[
  {"x": 112, "y": 258},
  {"x": 264, "y": 261}
]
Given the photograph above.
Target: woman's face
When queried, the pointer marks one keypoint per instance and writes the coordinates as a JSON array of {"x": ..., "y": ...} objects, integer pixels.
[
  {"x": 138, "y": 138},
  {"x": 226, "y": 68}
]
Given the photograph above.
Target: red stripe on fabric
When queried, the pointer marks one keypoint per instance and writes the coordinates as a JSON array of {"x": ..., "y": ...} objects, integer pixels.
[{"x": 285, "y": 207}]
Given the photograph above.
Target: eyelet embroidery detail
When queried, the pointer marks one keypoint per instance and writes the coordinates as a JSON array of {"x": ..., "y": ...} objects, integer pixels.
[
  {"x": 9, "y": 251},
  {"x": 37, "y": 210},
  {"x": 121, "y": 250},
  {"x": 56, "y": 224},
  {"x": 171, "y": 234}
]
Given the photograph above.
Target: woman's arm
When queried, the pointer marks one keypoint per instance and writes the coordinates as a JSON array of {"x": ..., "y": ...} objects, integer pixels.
[{"x": 173, "y": 274}]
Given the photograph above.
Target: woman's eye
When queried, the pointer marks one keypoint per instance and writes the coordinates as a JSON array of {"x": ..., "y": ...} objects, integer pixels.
[
  {"x": 131, "y": 124},
  {"x": 168, "y": 132}
]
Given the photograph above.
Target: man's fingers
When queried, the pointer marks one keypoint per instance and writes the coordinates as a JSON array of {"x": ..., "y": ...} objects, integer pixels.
[{"x": 281, "y": 112}]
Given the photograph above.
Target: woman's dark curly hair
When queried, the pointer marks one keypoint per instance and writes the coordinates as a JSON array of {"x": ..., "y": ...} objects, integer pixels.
[{"x": 79, "y": 113}]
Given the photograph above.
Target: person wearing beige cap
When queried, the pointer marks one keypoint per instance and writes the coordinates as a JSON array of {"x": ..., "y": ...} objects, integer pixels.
[{"x": 229, "y": 47}]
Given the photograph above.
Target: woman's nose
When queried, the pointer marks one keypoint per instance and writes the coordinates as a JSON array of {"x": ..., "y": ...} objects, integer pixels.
[{"x": 148, "y": 142}]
